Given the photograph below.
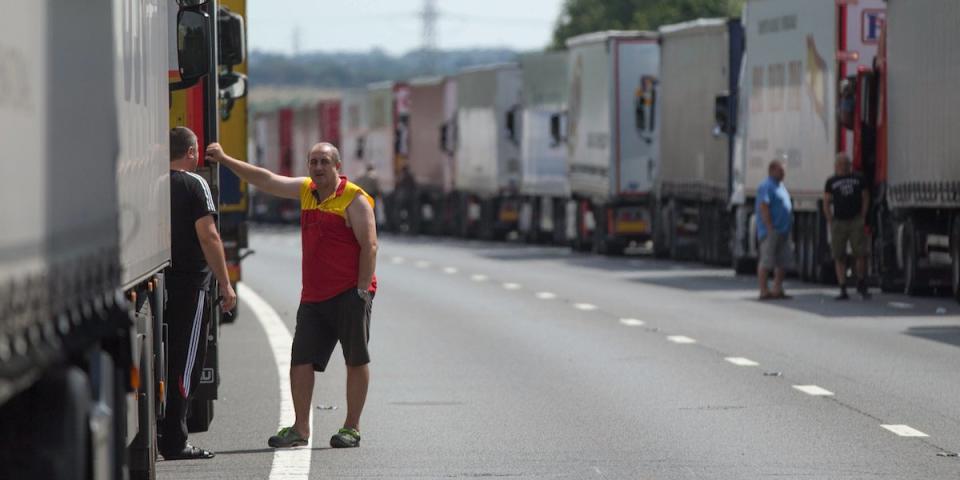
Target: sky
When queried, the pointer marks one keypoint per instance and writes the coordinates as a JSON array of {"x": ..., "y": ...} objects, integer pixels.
[{"x": 395, "y": 25}]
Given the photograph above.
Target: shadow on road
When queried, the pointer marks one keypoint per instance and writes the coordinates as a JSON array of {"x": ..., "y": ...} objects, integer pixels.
[{"x": 948, "y": 334}]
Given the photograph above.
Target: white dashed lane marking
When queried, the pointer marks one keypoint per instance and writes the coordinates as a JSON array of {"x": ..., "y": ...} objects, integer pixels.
[
  {"x": 511, "y": 286},
  {"x": 450, "y": 270},
  {"x": 814, "y": 390},
  {"x": 741, "y": 362},
  {"x": 478, "y": 277},
  {"x": 681, "y": 339},
  {"x": 586, "y": 307},
  {"x": 632, "y": 322},
  {"x": 546, "y": 295},
  {"x": 905, "y": 430}
]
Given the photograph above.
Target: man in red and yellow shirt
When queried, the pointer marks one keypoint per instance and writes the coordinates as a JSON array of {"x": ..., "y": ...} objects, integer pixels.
[{"x": 339, "y": 239}]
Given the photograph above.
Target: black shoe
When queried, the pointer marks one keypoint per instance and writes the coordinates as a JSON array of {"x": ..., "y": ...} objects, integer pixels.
[
  {"x": 190, "y": 452},
  {"x": 345, "y": 438}
]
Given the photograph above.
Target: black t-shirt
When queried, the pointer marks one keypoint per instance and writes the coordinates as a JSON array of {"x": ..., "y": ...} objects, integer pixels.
[
  {"x": 847, "y": 192},
  {"x": 190, "y": 200}
]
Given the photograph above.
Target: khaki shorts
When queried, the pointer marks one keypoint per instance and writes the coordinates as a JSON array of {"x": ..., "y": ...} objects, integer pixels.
[
  {"x": 843, "y": 231},
  {"x": 775, "y": 251}
]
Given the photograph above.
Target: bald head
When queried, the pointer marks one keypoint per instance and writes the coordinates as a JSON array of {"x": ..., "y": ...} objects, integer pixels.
[
  {"x": 843, "y": 165},
  {"x": 776, "y": 170}
]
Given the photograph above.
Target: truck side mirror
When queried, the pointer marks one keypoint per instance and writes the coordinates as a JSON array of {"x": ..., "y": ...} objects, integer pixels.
[
  {"x": 232, "y": 38},
  {"x": 193, "y": 53},
  {"x": 557, "y": 130},
  {"x": 721, "y": 115},
  {"x": 512, "y": 133}
]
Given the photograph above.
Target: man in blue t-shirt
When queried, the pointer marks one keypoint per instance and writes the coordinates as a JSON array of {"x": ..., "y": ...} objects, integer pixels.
[{"x": 774, "y": 220}]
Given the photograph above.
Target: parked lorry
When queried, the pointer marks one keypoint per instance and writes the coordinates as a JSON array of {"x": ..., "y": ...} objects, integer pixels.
[
  {"x": 796, "y": 54},
  {"x": 82, "y": 289},
  {"x": 429, "y": 160},
  {"x": 905, "y": 147},
  {"x": 613, "y": 138},
  {"x": 699, "y": 75},
  {"x": 487, "y": 178},
  {"x": 544, "y": 188}
]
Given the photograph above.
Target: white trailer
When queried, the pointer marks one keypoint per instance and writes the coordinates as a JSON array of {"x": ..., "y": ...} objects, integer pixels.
[
  {"x": 910, "y": 107},
  {"x": 699, "y": 69},
  {"x": 544, "y": 186},
  {"x": 488, "y": 171},
  {"x": 793, "y": 63},
  {"x": 353, "y": 131},
  {"x": 613, "y": 140},
  {"x": 86, "y": 235}
]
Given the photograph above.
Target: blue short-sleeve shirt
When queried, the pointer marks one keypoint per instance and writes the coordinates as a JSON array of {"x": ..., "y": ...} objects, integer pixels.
[{"x": 777, "y": 198}]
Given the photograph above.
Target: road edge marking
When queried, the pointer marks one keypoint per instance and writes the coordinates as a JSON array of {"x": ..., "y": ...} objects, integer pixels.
[{"x": 288, "y": 464}]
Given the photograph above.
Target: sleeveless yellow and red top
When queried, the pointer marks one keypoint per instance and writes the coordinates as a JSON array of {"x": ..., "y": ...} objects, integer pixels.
[{"x": 331, "y": 253}]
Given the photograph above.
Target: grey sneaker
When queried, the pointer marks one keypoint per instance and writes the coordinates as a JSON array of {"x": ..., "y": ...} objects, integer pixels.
[
  {"x": 345, "y": 438},
  {"x": 287, "y": 437}
]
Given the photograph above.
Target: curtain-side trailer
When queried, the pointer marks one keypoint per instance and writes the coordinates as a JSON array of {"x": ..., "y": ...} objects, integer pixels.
[
  {"x": 699, "y": 73},
  {"x": 544, "y": 187},
  {"x": 904, "y": 113},
  {"x": 488, "y": 170},
  {"x": 796, "y": 54},
  {"x": 613, "y": 146}
]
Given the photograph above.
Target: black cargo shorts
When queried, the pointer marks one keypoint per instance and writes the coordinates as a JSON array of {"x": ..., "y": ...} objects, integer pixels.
[{"x": 320, "y": 325}]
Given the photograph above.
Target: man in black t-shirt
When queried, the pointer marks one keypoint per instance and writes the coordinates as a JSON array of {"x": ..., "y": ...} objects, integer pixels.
[
  {"x": 197, "y": 254},
  {"x": 847, "y": 194}
]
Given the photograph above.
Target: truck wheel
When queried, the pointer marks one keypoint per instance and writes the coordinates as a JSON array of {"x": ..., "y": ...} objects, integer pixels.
[
  {"x": 200, "y": 416},
  {"x": 143, "y": 450},
  {"x": 955, "y": 258},
  {"x": 911, "y": 272}
]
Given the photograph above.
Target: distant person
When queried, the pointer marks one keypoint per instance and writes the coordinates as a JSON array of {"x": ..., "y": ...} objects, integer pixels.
[
  {"x": 845, "y": 204},
  {"x": 196, "y": 249},
  {"x": 339, "y": 258},
  {"x": 369, "y": 181},
  {"x": 775, "y": 218}
]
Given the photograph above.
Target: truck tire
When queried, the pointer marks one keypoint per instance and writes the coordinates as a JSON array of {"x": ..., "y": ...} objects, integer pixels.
[
  {"x": 955, "y": 258},
  {"x": 200, "y": 416},
  {"x": 143, "y": 450},
  {"x": 911, "y": 271}
]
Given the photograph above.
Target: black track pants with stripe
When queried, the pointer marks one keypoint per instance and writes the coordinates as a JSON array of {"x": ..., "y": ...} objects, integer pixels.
[{"x": 187, "y": 322}]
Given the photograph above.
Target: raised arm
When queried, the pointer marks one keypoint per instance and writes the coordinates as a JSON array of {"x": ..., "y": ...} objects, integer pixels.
[{"x": 263, "y": 179}]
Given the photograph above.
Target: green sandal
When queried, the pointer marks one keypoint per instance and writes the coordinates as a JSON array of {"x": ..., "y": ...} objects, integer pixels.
[
  {"x": 345, "y": 438},
  {"x": 287, "y": 437}
]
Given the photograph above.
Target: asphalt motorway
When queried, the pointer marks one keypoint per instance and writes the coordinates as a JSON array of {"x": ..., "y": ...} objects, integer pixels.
[{"x": 517, "y": 361}]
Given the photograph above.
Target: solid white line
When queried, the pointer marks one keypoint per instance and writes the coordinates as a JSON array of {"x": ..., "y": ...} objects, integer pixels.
[
  {"x": 450, "y": 270},
  {"x": 632, "y": 322},
  {"x": 585, "y": 306},
  {"x": 814, "y": 390},
  {"x": 681, "y": 339},
  {"x": 546, "y": 295},
  {"x": 294, "y": 463},
  {"x": 905, "y": 430},
  {"x": 741, "y": 362},
  {"x": 511, "y": 286},
  {"x": 478, "y": 277}
]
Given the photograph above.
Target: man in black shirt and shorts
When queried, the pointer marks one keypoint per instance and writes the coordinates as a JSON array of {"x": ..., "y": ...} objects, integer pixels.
[
  {"x": 196, "y": 250},
  {"x": 846, "y": 192}
]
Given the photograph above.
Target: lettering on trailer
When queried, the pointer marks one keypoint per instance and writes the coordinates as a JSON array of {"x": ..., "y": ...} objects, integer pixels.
[
  {"x": 872, "y": 24},
  {"x": 783, "y": 23}
]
